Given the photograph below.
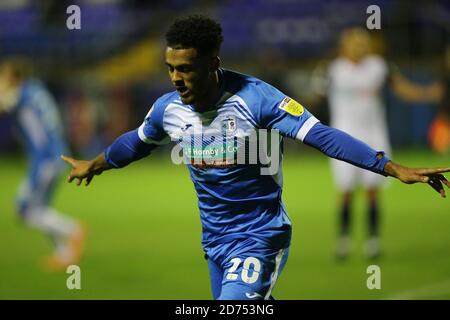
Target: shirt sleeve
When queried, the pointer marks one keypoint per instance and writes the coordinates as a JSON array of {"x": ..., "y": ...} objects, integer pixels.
[
  {"x": 126, "y": 149},
  {"x": 279, "y": 111},
  {"x": 152, "y": 130},
  {"x": 340, "y": 145},
  {"x": 140, "y": 142}
]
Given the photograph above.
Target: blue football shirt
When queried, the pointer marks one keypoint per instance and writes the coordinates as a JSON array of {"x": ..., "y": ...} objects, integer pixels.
[
  {"x": 38, "y": 120},
  {"x": 236, "y": 197}
]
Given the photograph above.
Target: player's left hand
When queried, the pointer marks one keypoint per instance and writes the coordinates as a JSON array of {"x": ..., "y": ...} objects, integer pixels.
[{"x": 432, "y": 176}]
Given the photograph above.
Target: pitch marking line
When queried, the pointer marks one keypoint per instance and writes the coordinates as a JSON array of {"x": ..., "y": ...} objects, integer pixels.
[{"x": 423, "y": 292}]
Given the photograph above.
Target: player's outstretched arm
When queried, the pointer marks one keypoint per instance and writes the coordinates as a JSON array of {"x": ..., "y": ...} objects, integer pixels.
[
  {"x": 125, "y": 149},
  {"x": 86, "y": 169},
  {"x": 432, "y": 176},
  {"x": 412, "y": 92},
  {"x": 340, "y": 145}
]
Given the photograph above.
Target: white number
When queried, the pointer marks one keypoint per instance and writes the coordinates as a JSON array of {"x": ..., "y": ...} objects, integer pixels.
[
  {"x": 231, "y": 275},
  {"x": 249, "y": 263},
  {"x": 256, "y": 268}
]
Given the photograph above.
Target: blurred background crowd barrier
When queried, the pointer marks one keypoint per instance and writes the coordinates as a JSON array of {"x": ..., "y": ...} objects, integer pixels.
[{"x": 106, "y": 75}]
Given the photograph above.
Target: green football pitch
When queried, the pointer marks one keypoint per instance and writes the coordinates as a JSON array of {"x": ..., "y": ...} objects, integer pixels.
[{"x": 144, "y": 236}]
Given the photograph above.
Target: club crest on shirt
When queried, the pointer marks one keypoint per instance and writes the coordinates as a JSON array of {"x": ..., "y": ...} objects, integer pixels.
[
  {"x": 229, "y": 125},
  {"x": 291, "y": 106}
]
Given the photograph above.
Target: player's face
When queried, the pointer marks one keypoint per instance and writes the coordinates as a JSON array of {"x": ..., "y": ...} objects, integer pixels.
[
  {"x": 190, "y": 73},
  {"x": 356, "y": 45},
  {"x": 4, "y": 76},
  {"x": 7, "y": 79},
  {"x": 8, "y": 91}
]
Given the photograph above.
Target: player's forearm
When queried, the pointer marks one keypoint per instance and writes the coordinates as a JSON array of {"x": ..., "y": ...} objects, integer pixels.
[
  {"x": 412, "y": 92},
  {"x": 340, "y": 145},
  {"x": 398, "y": 171},
  {"x": 126, "y": 149}
]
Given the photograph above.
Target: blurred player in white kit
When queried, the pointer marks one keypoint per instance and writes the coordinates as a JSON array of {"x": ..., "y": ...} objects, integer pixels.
[{"x": 354, "y": 81}]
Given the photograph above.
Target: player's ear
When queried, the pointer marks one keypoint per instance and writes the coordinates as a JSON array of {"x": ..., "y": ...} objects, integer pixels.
[{"x": 215, "y": 64}]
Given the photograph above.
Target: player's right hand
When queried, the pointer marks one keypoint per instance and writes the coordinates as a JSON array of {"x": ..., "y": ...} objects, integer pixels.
[{"x": 81, "y": 169}]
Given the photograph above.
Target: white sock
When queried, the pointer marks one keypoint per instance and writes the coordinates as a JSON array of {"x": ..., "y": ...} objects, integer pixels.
[{"x": 57, "y": 226}]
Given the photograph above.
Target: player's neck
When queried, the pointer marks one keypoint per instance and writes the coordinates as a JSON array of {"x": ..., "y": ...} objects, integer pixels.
[
  {"x": 354, "y": 60},
  {"x": 212, "y": 97}
]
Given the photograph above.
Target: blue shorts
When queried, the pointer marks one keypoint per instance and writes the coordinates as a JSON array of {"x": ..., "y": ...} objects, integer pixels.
[{"x": 246, "y": 272}]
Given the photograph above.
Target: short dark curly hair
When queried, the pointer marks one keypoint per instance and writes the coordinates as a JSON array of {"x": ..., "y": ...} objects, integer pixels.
[{"x": 195, "y": 31}]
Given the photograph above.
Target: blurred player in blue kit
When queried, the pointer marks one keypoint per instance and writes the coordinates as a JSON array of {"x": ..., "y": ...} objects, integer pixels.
[
  {"x": 246, "y": 230},
  {"x": 37, "y": 120}
]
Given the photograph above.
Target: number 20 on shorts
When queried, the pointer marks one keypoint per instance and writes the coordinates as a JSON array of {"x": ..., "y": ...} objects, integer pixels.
[{"x": 249, "y": 263}]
